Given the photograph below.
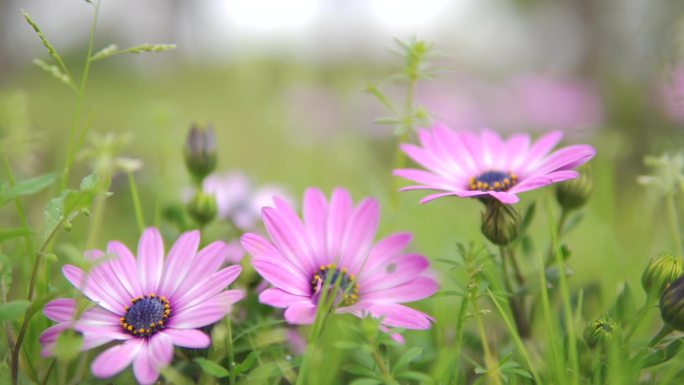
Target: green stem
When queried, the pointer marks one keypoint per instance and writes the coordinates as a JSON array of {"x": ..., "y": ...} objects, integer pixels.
[
  {"x": 490, "y": 360},
  {"x": 25, "y": 321},
  {"x": 519, "y": 277},
  {"x": 674, "y": 223},
  {"x": 231, "y": 351},
  {"x": 640, "y": 318},
  {"x": 136, "y": 202},
  {"x": 387, "y": 377},
  {"x": 515, "y": 302},
  {"x": 76, "y": 117}
]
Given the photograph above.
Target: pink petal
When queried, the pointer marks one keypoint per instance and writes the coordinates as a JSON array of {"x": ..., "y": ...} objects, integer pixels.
[
  {"x": 515, "y": 151},
  {"x": 301, "y": 313},
  {"x": 289, "y": 236},
  {"x": 157, "y": 354},
  {"x": 492, "y": 149},
  {"x": 60, "y": 309},
  {"x": 282, "y": 275},
  {"x": 206, "y": 313},
  {"x": 359, "y": 235},
  {"x": 462, "y": 194},
  {"x": 315, "y": 212},
  {"x": 208, "y": 288},
  {"x": 206, "y": 262},
  {"x": 150, "y": 260},
  {"x": 387, "y": 248},
  {"x": 425, "y": 177},
  {"x": 415, "y": 290},
  {"x": 188, "y": 338},
  {"x": 106, "y": 278},
  {"x": 400, "y": 316},
  {"x": 340, "y": 211},
  {"x": 505, "y": 197},
  {"x": 543, "y": 180},
  {"x": 395, "y": 273},
  {"x": 116, "y": 358},
  {"x": 563, "y": 159},
  {"x": 91, "y": 289},
  {"x": 279, "y": 298},
  {"x": 124, "y": 266},
  {"x": 179, "y": 262},
  {"x": 542, "y": 147}
]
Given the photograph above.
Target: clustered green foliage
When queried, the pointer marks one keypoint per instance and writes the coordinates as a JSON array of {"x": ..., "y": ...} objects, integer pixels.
[{"x": 511, "y": 309}]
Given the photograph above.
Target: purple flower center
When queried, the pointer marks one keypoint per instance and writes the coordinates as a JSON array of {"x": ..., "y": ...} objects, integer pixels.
[
  {"x": 146, "y": 315},
  {"x": 493, "y": 180},
  {"x": 347, "y": 292}
]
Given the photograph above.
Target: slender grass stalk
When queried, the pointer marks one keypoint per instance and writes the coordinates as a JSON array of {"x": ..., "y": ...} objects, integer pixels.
[
  {"x": 516, "y": 337},
  {"x": 491, "y": 363},
  {"x": 557, "y": 362},
  {"x": 565, "y": 296},
  {"x": 76, "y": 116},
  {"x": 641, "y": 317},
  {"x": 139, "y": 219}
]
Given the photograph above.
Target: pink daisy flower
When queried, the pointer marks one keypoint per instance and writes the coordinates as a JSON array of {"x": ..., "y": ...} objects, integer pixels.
[
  {"x": 465, "y": 165},
  {"x": 147, "y": 304},
  {"x": 335, "y": 238}
]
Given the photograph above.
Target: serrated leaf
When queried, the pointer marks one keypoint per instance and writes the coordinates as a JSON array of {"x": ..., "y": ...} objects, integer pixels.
[
  {"x": 11, "y": 311},
  {"x": 29, "y": 186},
  {"x": 406, "y": 358},
  {"x": 212, "y": 368},
  {"x": 69, "y": 204}
]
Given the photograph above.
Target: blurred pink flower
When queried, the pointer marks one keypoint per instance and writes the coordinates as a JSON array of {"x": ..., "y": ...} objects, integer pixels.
[
  {"x": 672, "y": 96},
  {"x": 336, "y": 240},
  {"x": 462, "y": 164},
  {"x": 531, "y": 102},
  {"x": 238, "y": 200},
  {"x": 146, "y": 305}
]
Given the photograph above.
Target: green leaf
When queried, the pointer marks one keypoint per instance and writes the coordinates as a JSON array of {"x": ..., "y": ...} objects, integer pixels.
[
  {"x": 366, "y": 381},
  {"x": 68, "y": 346},
  {"x": 246, "y": 364},
  {"x": 660, "y": 356},
  {"x": 10, "y": 311},
  {"x": 13, "y": 233},
  {"x": 69, "y": 204},
  {"x": 212, "y": 368},
  {"x": 406, "y": 358},
  {"x": 29, "y": 186},
  {"x": 361, "y": 371},
  {"x": 417, "y": 376}
]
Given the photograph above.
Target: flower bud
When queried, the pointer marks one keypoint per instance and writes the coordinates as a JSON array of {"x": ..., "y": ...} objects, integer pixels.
[
  {"x": 202, "y": 208},
  {"x": 672, "y": 304},
  {"x": 660, "y": 272},
  {"x": 200, "y": 152},
  {"x": 601, "y": 332},
  {"x": 500, "y": 222},
  {"x": 573, "y": 194}
]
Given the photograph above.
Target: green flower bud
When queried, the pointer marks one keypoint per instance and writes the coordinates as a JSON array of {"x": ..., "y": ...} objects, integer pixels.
[
  {"x": 672, "y": 304},
  {"x": 200, "y": 152},
  {"x": 601, "y": 332},
  {"x": 202, "y": 208},
  {"x": 660, "y": 273},
  {"x": 573, "y": 194},
  {"x": 500, "y": 222}
]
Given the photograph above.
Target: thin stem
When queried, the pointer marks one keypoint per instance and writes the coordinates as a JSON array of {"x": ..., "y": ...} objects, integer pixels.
[
  {"x": 640, "y": 318},
  {"x": 136, "y": 202},
  {"x": 519, "y": 277},
  {"x": 76, "y": 117},
  {"x": 674, "y": 223},
  {"x": 25, "y": 321},
  {"x": 514, "y": 301},
  {"x": 490, "y": 360},
  {"x": 381, "y": 364},
  {"x": 231, "y": 351}
]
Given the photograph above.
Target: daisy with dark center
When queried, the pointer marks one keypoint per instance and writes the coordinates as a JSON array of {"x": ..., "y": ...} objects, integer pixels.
[
  {"x": 332, "y": 252},
  {"x": 466, "y": 165},
  {"x": 148, "y": 304}
]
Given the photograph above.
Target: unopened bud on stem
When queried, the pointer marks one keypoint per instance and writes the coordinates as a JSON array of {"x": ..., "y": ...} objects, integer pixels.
[
  {"x": 500, "y": 222},
  {"x": 202, "y": 208},
  {"x": 200, "y": 152},
  {"x": 660, "y": 273},
  {"x": 573, "y": 194}
]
